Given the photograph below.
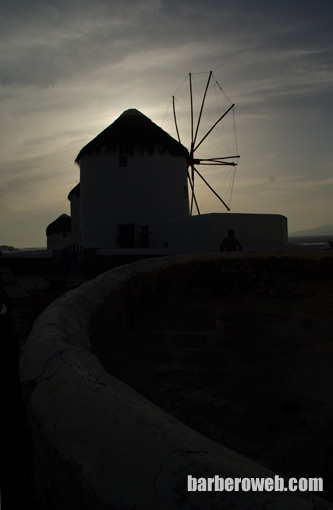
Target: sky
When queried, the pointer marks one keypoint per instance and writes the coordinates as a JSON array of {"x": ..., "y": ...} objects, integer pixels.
[{"x": 69, "y": 68}]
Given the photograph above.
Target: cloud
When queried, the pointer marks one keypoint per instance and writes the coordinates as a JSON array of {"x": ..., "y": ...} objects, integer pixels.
[{"x": 68, "y": 69}]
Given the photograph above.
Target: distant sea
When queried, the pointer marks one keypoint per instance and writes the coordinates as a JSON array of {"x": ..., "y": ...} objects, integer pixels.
[
  {"x": 33, "y": 252},
  {"x": 319, "y": 242},
  {"x": 33, "y": 248}
]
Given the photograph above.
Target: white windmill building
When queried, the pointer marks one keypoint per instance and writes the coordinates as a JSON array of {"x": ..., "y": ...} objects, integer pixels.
[{"x": 131, "y": 175}]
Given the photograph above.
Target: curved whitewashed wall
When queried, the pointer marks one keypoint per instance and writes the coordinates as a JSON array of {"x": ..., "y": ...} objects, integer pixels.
[
  {"x": 98, "y": 443},
  {"x": 150, "y": 188}
]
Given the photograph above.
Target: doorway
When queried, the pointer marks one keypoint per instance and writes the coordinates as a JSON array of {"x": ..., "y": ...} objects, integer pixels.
[{"x": 126, "y": 236}]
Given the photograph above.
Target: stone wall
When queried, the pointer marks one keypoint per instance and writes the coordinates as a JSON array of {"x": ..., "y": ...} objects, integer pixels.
[{"x": 98, "y": 443}]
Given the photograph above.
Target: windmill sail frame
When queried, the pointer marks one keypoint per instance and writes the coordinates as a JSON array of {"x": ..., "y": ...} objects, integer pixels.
[{"x": 192, "y": 160}]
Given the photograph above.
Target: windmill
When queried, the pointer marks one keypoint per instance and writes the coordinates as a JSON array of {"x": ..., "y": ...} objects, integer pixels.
[{"x": 198, "y": 139}]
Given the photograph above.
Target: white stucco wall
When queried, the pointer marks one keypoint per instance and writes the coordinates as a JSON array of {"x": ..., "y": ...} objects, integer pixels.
[
  {"x": 149, "y": 189},
  {"x": 206, "y": 232},
  {"x": 75, "y": 215},
  {"x": 55, "y": 240}
]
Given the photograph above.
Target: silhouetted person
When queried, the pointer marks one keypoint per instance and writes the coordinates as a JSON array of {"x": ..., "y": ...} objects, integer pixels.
[{"x": 230, "y": 243}]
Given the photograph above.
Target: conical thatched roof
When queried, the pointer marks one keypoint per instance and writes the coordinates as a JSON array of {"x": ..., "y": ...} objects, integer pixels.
[
  {"x": 62, "y": 224},
  {"x": 133, "y": 131},
  {"x": 74, "y": 191}
]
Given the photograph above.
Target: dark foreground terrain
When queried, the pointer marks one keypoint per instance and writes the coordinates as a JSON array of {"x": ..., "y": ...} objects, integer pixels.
[
  {"x": 15, "y": 444},
  {"x": 251, "y": 369},
  {"x": 249, "y": 365}
]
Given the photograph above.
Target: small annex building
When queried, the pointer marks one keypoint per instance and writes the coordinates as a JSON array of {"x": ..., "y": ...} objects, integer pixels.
[
  {"x": 74, "y": 198},
  {"x": 59, "y": 232}
]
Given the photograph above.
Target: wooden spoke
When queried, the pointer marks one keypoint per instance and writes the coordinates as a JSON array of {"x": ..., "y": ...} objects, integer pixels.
[
  {"x": 175, "y": 119},
  {"x": 211, "y": 129},
  {"x": 209, "y": 186},
  {"x": 202, "y": 106}
]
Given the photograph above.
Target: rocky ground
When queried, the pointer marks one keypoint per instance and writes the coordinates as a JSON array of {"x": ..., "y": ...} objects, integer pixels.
[
  {"x": 25, "y": 296},
  {"x": 15, "y": 445}
]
